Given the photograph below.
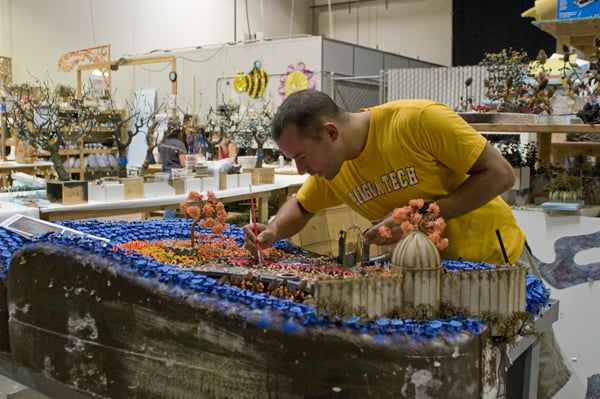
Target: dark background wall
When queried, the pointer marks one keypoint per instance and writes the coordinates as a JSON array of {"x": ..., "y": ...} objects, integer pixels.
[{"x": 488, "y": 26}]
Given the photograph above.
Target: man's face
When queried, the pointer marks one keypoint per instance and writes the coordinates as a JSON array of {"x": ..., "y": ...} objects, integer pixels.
[{"x": 315, "y": 157}]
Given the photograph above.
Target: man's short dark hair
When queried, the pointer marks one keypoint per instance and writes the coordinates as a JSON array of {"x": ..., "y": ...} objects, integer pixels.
[{"x": 306, "y": 109}]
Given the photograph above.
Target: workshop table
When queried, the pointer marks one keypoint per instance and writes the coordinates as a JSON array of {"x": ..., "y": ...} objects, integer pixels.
[{"x": 95, "y": 209}]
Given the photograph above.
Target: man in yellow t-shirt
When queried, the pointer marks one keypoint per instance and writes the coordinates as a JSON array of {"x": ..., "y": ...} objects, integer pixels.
[{"x": 378, "y": 159}]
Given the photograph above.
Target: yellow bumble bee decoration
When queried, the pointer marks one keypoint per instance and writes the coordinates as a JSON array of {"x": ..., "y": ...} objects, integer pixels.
[{"x": 254, "y": 82}]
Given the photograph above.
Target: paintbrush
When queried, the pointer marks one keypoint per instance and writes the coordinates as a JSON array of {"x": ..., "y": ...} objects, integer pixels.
[{"x": 259, "y": 251}]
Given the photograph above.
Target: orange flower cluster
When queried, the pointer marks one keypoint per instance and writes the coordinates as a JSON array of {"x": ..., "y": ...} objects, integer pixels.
[
  {"x": 410, "y": 219},
  {"x": 213, "y": 212}
]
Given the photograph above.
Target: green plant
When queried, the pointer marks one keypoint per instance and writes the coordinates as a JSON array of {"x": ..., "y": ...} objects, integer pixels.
[
  {"x": 563, "y": 182},
  {"x": 564, "y": 187},
  {"x": 516, "y": 154},
  {"x": 517, "y": 85}
]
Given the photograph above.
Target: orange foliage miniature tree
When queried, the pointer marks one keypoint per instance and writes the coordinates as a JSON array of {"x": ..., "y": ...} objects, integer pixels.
[
  {"x": 411, "y": 219},
  {"x": 208, "y": 214}
]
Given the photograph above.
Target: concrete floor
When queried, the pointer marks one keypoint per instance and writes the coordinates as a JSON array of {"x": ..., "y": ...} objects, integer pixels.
[{"x": 10, "y": 389}]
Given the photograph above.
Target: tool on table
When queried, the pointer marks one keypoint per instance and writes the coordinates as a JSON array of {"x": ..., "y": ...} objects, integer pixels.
[{"x": 260, "y": 254}]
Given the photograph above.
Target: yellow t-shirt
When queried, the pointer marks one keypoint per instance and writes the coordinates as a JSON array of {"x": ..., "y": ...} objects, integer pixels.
[{"x": 419, "y": 149}]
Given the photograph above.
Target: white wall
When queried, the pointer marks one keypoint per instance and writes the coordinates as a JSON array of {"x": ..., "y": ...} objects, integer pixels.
[
  {"x": 35, "y": 33},
  {"x": 205, "y": 76},
  {"x": 420, "y": 29},
  {"x": 207, "y": 37}
]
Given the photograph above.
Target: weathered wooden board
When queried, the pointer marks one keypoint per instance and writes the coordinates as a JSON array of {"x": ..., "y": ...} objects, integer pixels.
[{"x": 96, "y": 327}]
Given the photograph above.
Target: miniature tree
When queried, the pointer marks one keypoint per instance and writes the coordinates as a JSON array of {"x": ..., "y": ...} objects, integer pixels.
[
  {"x": 153, "y": 140},
  {"x": 213, "y": 212},
  {"x": 256, "y": 127},
  {"x": 224, "y": 121},
  {"x": 125, "y": 126},
  {"x": 40, "y": 118},
  {"x": 506, "y": 78}
]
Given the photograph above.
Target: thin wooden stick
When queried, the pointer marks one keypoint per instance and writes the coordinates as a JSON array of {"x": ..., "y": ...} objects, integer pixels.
[{"x": 260, "y": 257}]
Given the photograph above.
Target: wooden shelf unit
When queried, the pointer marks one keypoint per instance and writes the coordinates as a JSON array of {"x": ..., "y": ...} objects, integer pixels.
[
  {"x": 99, "y": 135},
  {"x": 578, "y": 32},
  {"x": 546, "y": 147}
]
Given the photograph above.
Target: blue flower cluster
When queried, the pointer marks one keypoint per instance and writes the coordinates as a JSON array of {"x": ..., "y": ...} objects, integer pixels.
[
  {"x": 254, "y": 308},
  {"x": 9, "y": 243},
  {"x": 538, "y": 294},
  {"x": 465, "y": 265}
]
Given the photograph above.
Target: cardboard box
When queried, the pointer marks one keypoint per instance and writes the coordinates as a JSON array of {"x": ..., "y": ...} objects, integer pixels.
[
  {"x": 67, "y": 192},
  {"x": 158, "y": 189},
  {"x": 228, "y": 181},
  {"x": 570, "y": 9},
  {"x": 108, "y": 192},
  {"x": 244, "y": 180},
  {"x": 184, "y": 186},
  {"x": 262, "y": 175},
  {"x": 134, "y": 187},
  {"x": 233, "y": 181},
  {"x": 210, "y": 183},
  {"x": 193, "y": 184},
  {"x": 114, "y": 192},
  {"x": 222, "y": 181},
  {"x": 96, "y": 192}
]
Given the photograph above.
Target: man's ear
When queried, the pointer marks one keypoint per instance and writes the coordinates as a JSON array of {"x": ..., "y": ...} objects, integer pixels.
[{"x": 331, "y": 130}]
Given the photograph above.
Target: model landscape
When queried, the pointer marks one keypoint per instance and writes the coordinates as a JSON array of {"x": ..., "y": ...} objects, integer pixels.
[{"x": 140, "y": 315}]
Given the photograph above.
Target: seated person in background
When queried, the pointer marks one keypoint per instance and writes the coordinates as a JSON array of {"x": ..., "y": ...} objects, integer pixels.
[
  {"x": 172, "y": 154},
  {"x": 172, "y": 151},
  {"x": 227, "y": 149}
]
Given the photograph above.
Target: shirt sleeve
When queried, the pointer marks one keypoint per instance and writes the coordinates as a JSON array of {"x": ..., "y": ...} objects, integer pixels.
[
  {"x": 449, "y": 138},
  {"x": 314, "y": 195}
]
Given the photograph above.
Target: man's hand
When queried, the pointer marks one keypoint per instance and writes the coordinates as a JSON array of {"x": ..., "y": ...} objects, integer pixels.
[
  {"x": 290, "y": 219},
  {"x": 265, "y": 238},
  {"x": 373, "y": 236}
]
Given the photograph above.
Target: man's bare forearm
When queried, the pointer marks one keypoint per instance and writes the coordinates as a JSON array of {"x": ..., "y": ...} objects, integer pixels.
[{"x": 289, "y": 220}]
